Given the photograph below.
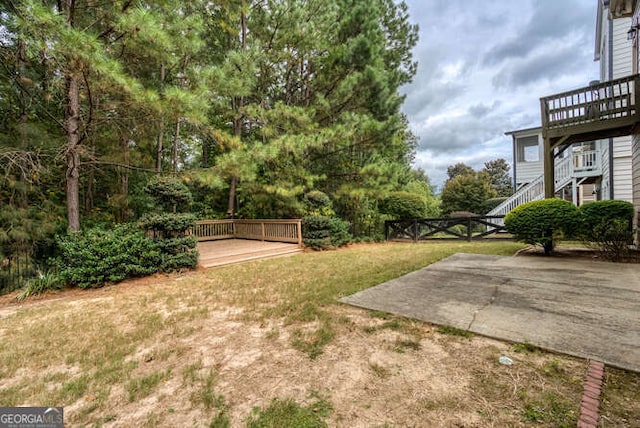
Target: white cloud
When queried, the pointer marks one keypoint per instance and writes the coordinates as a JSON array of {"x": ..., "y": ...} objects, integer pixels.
[{"x": 483, "y": 67}]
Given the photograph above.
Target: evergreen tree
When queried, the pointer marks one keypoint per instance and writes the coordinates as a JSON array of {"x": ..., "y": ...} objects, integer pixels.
[
  {"x": 96, "y": 59},
  {"x": 499, "y": 178}
]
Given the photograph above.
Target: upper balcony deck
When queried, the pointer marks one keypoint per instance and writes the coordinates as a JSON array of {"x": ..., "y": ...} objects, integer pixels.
[{"x": 603, "y": 110}]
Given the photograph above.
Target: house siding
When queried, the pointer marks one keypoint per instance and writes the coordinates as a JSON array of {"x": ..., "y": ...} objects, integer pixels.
[
  {"x": 636, "y": 176},
  {"x": 635, "y": 143},
  {"x": 622, "y": 184},
  {"x": 617, "y": 58},
  {"x": 528, "y": 171},
  {"x": 622, "y": 147},
  {"x": 587, "y": 193},
  {"x": 622, "y": 50}
]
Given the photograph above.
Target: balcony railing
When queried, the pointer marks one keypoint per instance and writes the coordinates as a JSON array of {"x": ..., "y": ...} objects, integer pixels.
[
  {"x": 587, "y": 163},
  {"x": 615, "y": 99}
]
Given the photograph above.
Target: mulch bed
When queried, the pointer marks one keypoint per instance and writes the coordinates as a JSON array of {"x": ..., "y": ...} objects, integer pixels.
[{"x": 578, "y": 252}]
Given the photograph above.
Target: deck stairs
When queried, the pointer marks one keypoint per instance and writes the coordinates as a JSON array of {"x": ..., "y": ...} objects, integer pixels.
[
  {"x": 577, "y": 165},
  {"x": 232, "y": 251}
]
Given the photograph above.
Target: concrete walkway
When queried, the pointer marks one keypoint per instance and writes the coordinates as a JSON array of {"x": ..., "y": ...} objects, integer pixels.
[{"x": 585, "y": 308}]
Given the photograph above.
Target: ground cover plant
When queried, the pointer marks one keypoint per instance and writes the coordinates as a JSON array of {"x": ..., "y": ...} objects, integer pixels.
[{"x": 245, "y": 344}]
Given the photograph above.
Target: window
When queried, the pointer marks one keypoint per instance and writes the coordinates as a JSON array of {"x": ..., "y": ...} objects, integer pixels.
[{"x": 527, "y": 149}]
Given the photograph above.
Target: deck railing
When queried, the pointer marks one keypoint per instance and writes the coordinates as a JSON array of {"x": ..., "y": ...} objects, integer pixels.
[
  {"x": 262, "y": 230},
  {"x": 209, "y": 230},
  {"x": 587, "y": 161},
  {"x": 614, "y": 99}
]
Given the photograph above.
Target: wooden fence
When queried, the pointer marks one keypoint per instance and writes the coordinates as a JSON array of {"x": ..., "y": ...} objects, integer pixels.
[
  {"x": 261, "y": 230},
  {"x": 466, "y": 228}
]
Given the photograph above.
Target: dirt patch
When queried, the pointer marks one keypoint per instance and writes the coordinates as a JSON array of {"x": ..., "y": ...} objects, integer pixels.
[
  {"x": 182, "y": 349},
  {"x": 366, "y": 377}
]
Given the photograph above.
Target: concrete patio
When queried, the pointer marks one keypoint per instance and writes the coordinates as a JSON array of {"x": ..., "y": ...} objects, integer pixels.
[{"x": 580, "y": 307}]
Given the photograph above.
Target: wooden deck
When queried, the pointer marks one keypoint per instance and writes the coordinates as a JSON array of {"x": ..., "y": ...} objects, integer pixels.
[{"x": 230, "y": 251}]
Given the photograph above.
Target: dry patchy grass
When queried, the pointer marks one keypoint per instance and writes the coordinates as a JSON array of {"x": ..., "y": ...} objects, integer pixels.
[
  {"x": 620, "y": 405},
  {"x": 220, "y": 347}
]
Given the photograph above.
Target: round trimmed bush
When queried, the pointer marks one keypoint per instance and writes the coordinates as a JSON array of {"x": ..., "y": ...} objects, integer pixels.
[
  {"x": 404, "y": 205},
  {"x": 543, "y": 222},
  {"x": 596, "y": 213}
]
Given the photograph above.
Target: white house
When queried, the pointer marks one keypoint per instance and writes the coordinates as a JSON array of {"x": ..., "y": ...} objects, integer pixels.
[
  {"x": 580, "y": 169},
  {"x": 589, "y": 135}
]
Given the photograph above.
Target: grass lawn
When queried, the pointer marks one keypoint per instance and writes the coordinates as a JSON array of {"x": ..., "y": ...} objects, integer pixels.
[{"x": 266, "y": 344}]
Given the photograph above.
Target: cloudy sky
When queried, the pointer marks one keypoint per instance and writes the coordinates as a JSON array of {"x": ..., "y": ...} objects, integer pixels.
[{"x": 482, "y": 67}]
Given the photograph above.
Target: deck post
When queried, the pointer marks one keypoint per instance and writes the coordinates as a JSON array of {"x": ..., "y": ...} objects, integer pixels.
[
  {"x": 549, "y": 173},
  {"x": 469, "y": 230},
  {"x": 548, "y": 161},
  {"x": 299, "y": 227}
]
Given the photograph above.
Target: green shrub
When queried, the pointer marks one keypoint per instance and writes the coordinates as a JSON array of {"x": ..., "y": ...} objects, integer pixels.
[
  {"x": 318, "y": 203},
  {"x": 543, "y": 222},
  {"x": 323, "y": 232},
  {"x": 178, "y": 253},
  {"x": 404, "y": 205},
  {"x": 612, "y": 239},
  {"x": 595, "y": 213},
  {"x": 169, "y": 224},
  {"x": 170, "y": 230},
  {"x": 169, "y": 193},
  {"x": 608, "y": 226},
  {"x": 96, "y": 256},
  {"x": 185, "y": 260}
]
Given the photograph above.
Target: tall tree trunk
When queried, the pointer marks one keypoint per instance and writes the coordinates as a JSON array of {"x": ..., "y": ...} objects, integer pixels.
[
  {"x": 205, "y": 153},
  {"x": 22, "y": 60},
  {"x": 124, "y": 180},
  {"x": 174, "y": 148},
  {"x": 90, "y": 189},
  {"x": 72, "y": 127},
  {"x": 161, "y": 133},
  {"x": 237, "y": 121}
]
